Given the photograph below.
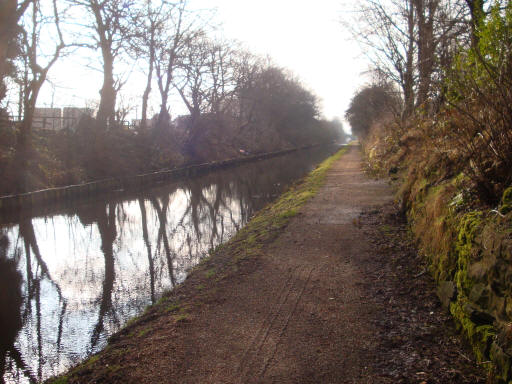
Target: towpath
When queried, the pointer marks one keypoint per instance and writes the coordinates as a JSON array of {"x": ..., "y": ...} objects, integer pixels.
[{"x": 339, "y": 297}]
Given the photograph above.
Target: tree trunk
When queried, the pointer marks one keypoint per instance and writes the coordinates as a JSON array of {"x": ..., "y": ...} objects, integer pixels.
[
  {"x": 408, "y": 76},
  {"x": 106, "y": 110},
  {"x": 24, "y": 137},
  {"x": 476, "y": 10},
  {"x": 22, "y": 152},
  {"x": 147, "y": 91},
  {"x": 163, "y": 116},
  {"x": 425, "y": 46}
]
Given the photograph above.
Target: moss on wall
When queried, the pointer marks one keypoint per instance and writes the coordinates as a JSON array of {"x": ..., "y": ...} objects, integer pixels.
[{"x": 469, "y": 251}]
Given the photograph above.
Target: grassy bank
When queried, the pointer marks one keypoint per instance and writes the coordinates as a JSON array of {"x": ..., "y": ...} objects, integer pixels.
[{"x": 238, "y": 255}]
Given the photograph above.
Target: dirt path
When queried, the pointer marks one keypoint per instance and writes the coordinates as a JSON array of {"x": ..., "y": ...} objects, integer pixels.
[{"x": 323, "y": 304}]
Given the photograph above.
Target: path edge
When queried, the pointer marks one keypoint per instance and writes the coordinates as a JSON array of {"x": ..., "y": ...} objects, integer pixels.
[{"x": 221, "y": 263}]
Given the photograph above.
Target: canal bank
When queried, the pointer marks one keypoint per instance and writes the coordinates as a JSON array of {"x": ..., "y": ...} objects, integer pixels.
[
  {"x": 307, "y": 292},
  {"x": 84, "y": 268},
  {"x": 88, "y": 191}
]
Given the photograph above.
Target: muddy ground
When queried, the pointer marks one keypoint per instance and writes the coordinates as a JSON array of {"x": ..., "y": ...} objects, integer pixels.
[{"x": 340, "y": 296}]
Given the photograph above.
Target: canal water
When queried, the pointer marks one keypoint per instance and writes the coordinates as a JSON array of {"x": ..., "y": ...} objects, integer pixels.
[{"x": 73, "y": 275}]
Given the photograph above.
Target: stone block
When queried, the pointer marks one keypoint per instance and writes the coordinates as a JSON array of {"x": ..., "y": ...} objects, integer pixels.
[
  {"x": 447, "y": 292},
  {"x": 480, "y": 295}
]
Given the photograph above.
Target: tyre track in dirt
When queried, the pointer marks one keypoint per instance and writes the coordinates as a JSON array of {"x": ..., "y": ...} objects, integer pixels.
[{"x": 262, "y": 349}]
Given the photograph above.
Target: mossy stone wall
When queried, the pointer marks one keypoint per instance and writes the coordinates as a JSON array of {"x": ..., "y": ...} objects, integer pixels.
[{"x": 470, "y": 256}]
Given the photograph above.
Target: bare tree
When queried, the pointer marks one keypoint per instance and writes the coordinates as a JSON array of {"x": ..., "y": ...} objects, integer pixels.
[
  {"x": 426, "y": 11},
  {"x": 149, "y": 23},
  {"x": 109, "y": 31},
  {"x": 221, "y": 73},
  {"x": 37, "y": 71},
  {"x": 192, "y": 85},
  {"x": 389, "y": 35},
  {"x": 409, "y": 42},
  {"x": 203, "y": 78},
  {"x": 179, "y": 31},
  {"x": 476, "y": 11},
  {"x": 441, "y": 25}
]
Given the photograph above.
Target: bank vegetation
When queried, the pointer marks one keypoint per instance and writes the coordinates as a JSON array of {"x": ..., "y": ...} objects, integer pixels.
[{"x": 437, "y": 119}]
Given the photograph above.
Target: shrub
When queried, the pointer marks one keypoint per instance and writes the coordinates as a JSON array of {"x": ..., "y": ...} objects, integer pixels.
[{"x": 480, "y": 92}]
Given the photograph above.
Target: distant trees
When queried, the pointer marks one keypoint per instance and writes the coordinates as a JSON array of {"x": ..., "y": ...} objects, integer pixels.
[{"x": 370, "y": 104}]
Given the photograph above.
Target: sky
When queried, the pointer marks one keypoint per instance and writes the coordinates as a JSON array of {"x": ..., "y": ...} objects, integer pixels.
[{"x": 304, "y": 37}]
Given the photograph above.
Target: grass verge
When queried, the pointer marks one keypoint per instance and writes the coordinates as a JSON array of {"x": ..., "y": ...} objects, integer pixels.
[{"x": 266, "y": 225}]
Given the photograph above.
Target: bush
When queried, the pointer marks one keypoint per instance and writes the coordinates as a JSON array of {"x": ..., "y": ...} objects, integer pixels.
[{"x": 480, "y": 92}]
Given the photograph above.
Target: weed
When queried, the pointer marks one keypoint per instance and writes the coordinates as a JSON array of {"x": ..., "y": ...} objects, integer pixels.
[
  {"x": 210, "y": 273},
  {"x": 144, "y": 332},
  {"x": 290, "y": 213},
  {"x": 162, "y": 300},
  {"x": 183, "y": 317},
  {"x": 173, "y": 308},
  {"x": 131, "y": 322},
  {"x": 92, "y": 360},
  {"x": 113, "y": 368}
]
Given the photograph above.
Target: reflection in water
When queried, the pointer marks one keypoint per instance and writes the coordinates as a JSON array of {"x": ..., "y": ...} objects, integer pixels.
[
  {"x": 10, "y": 302},
  {"x": 70, "y": 279},
  {"x": 105, "y": 218},
  {"x": 145, "y": 236}
]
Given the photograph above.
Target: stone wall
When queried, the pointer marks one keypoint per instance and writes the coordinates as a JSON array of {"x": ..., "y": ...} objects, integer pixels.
[{"x": 470, "y": 256}]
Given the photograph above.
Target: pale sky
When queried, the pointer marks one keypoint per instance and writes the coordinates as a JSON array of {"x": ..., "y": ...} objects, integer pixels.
[{"x": 303, "y": 36}]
